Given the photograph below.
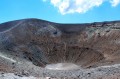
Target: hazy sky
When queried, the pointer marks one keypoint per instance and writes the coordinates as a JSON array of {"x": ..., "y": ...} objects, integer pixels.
[{"x": 61, "y": 11}]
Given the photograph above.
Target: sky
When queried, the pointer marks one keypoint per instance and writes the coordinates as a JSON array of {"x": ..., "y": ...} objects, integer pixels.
[{"x": 61, "y": 11}]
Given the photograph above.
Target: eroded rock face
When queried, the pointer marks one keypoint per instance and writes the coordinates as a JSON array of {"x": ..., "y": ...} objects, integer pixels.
[{"x": 44, "y": 43}]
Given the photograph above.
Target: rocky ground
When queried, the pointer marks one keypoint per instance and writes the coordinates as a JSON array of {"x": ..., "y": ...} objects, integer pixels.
[{"x": 38, "y": 49}]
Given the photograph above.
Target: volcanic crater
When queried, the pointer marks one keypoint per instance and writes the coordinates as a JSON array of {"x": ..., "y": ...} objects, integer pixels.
[{"x": 54, "y": 46}]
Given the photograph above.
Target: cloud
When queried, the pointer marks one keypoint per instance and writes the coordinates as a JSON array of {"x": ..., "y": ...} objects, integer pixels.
[
  {"x": 115, "y": 2},
  {"x": 79, "y": 6}
]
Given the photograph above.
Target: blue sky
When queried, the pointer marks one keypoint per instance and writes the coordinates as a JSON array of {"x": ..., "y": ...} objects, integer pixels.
[{"x": 61, "y": 11}]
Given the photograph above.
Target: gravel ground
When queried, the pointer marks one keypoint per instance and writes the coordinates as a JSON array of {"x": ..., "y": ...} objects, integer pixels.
[{"x": 30, "y": 71}]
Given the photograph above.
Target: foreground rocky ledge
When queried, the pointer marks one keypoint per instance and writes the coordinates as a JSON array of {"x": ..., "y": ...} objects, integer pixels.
[{"x": 104, "y": 72}]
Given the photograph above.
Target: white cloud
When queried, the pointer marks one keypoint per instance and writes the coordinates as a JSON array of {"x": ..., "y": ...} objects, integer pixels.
[
  {"x": 79, "y": 6},
  {"x": 115, "y": 2}
]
